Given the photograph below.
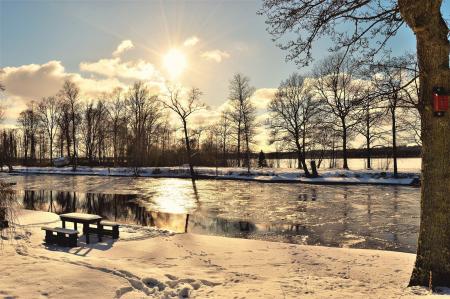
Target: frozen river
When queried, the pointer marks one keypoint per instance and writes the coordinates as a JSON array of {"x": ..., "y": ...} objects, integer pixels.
[{"x": 363, "y": 216}]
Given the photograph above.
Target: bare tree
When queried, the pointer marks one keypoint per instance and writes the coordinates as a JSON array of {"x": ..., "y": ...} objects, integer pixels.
[
  {"x": 117, "y": 115},
  {"x": 367, "y": 26},
  {"x": 183, "y": 107},
  {"x": 64, "y": 127},
  {"x": 242, "y": 114},
  {"x": 336, "y": 85},
  {"x": 70, "y": 94},
  {"x": 291, "y": 111},
  {"x": 370, "y": 127},
  {"x": 389, "y": 82},
  {"x": 144, "y": 114},
  {"x": 47, "y": 110},
  {"x": 29, "y": 122},
  {"x": 241, "y": 110},
  {"x": 224, "y": 130}
]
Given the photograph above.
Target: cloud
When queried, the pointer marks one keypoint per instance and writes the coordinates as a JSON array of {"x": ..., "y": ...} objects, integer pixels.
[
  {"x": 33, "y": 81},
  {"x": 215, "y": 55},
  {"x": 115, "y": 67},
  {"x": 262, "y": 97},
  {"x": 125, "y": 45},
  {"x": 191, "y": 41}
]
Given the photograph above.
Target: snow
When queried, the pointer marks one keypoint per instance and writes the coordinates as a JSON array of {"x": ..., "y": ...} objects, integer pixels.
[
  {"x": 287, "y": 175},
  {"x": 160, "y": 264}
]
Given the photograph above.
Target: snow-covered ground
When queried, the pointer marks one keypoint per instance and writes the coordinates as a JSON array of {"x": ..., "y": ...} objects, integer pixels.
[
  {"x": 328, "y": 176},
  {"x": 150, "y": 263}
]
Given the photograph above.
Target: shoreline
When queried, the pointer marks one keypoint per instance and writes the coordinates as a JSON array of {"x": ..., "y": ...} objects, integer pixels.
[
  {"x": 329, "y": 177},
  {"x": 158, "y": 264}
]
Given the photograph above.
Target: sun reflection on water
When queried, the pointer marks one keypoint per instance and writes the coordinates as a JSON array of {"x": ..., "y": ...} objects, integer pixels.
[{"x": 173, "y": 196}]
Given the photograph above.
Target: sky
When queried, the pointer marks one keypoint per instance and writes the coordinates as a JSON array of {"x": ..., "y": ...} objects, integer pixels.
[{"x": 104, "y": 44}]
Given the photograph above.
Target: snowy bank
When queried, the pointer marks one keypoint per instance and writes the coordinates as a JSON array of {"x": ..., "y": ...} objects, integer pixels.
[
  {"x": 165, "y": 265},
  {"x": 269, "y": 175}
]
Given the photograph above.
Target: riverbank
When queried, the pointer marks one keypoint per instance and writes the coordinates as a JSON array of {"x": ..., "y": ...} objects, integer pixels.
[
  {"x": 267, "y": 175},
  {"x": 152, "y": 263}
]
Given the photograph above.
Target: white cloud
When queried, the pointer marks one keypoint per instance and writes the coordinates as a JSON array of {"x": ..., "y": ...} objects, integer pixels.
[
  {"x": 191, "y": 41},
  {"x": 33, "y": 81},
  {"x": 262, "y": 97},
  {"x": 125, "y": 45},
  {"x": 215, "y": 55},
  {"x": 115, "y": 67}
]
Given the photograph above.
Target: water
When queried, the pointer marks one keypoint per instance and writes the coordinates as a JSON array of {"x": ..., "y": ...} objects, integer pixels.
[{"x": 377, "y": 217}]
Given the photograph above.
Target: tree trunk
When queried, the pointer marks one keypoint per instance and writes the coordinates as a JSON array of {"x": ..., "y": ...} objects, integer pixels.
[
  {"x": 239, "y": 145},
  {"x": 75, "y": 154},
  {"x": 314, "y": 169},
  {"x": 394, "y": 142},
  {"x": 188, "y": 150},
  {"x": 344, "y": 144},
  {"x": 369, "y": 165},
  {"x": 301, "y": 160},
  {"x": 247, "y": 150},
  {"x": 433, "y": 253},
  {"x": 51, "y": 150}
]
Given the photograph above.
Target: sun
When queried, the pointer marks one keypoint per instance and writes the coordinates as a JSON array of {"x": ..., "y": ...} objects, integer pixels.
[{"x": 175, "y": 63}]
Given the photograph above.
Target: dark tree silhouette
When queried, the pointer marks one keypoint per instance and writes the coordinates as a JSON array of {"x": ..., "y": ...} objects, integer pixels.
[{"x": 184, "y": 107}]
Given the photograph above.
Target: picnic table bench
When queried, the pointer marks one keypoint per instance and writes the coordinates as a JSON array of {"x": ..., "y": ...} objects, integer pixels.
[
  {"x": 86, "y": 220},
  {"x": 113, "y": 232},
  {"x": 63, "y": 237}
]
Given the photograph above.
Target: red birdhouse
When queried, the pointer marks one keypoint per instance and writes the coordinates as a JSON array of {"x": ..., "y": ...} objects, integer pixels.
[{"x": 440, "y": 101}]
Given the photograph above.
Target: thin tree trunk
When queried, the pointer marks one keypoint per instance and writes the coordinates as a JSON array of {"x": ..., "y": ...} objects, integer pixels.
[
  {"x": 394, "y": 142},
  {"x": 51, "y": 150},
  {"x": 344, "y": 144},
  {"x": 433, "y": 253},
  {"x": 247, "y": 150},
  {"x": 188, "y": 150},
  {"x": 239, "y": 145},
  {"x": 368, "y": 153},
  {"x": 75, "y": 154},
  {"x": 301, "y": 159}
]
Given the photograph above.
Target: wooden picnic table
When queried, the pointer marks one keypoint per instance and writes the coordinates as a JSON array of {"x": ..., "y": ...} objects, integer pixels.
[{"x": 85, "y": 219}]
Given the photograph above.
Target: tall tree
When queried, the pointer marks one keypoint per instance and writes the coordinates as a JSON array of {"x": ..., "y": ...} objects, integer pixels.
[
  {"x": 240, "y": 92},
  {"x": 291, "y": 111},
  {"x": 183, "y": 107},
  {"x": 224, "y": 130},
  {"x": 337, "y": 86},
  {"x": 242, "y": 113},
  {"x": 368, "y": 27},
  {"x": 70, "y": 94},
  {"x": 370, "y": 126},
  {"x": 29, "y": 122},
  {"x": 144, "y": 114},
  {"x": 117, "y": 115},
  {"x": 49, "y": 115}
]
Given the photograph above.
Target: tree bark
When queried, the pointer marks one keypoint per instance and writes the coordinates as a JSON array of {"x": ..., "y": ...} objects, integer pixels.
[
  {"x": 188, "y": 150},
  {"x": 369, "y": 165},
  {"x": 301, "y": 159},
  {"x": 394, "y": 141},
  {"x": 344, "y": 144},
  {"x": 433, "y": 253},
  {"x": 51, "y": 150},
  {"x": 239, "y": 145}
]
